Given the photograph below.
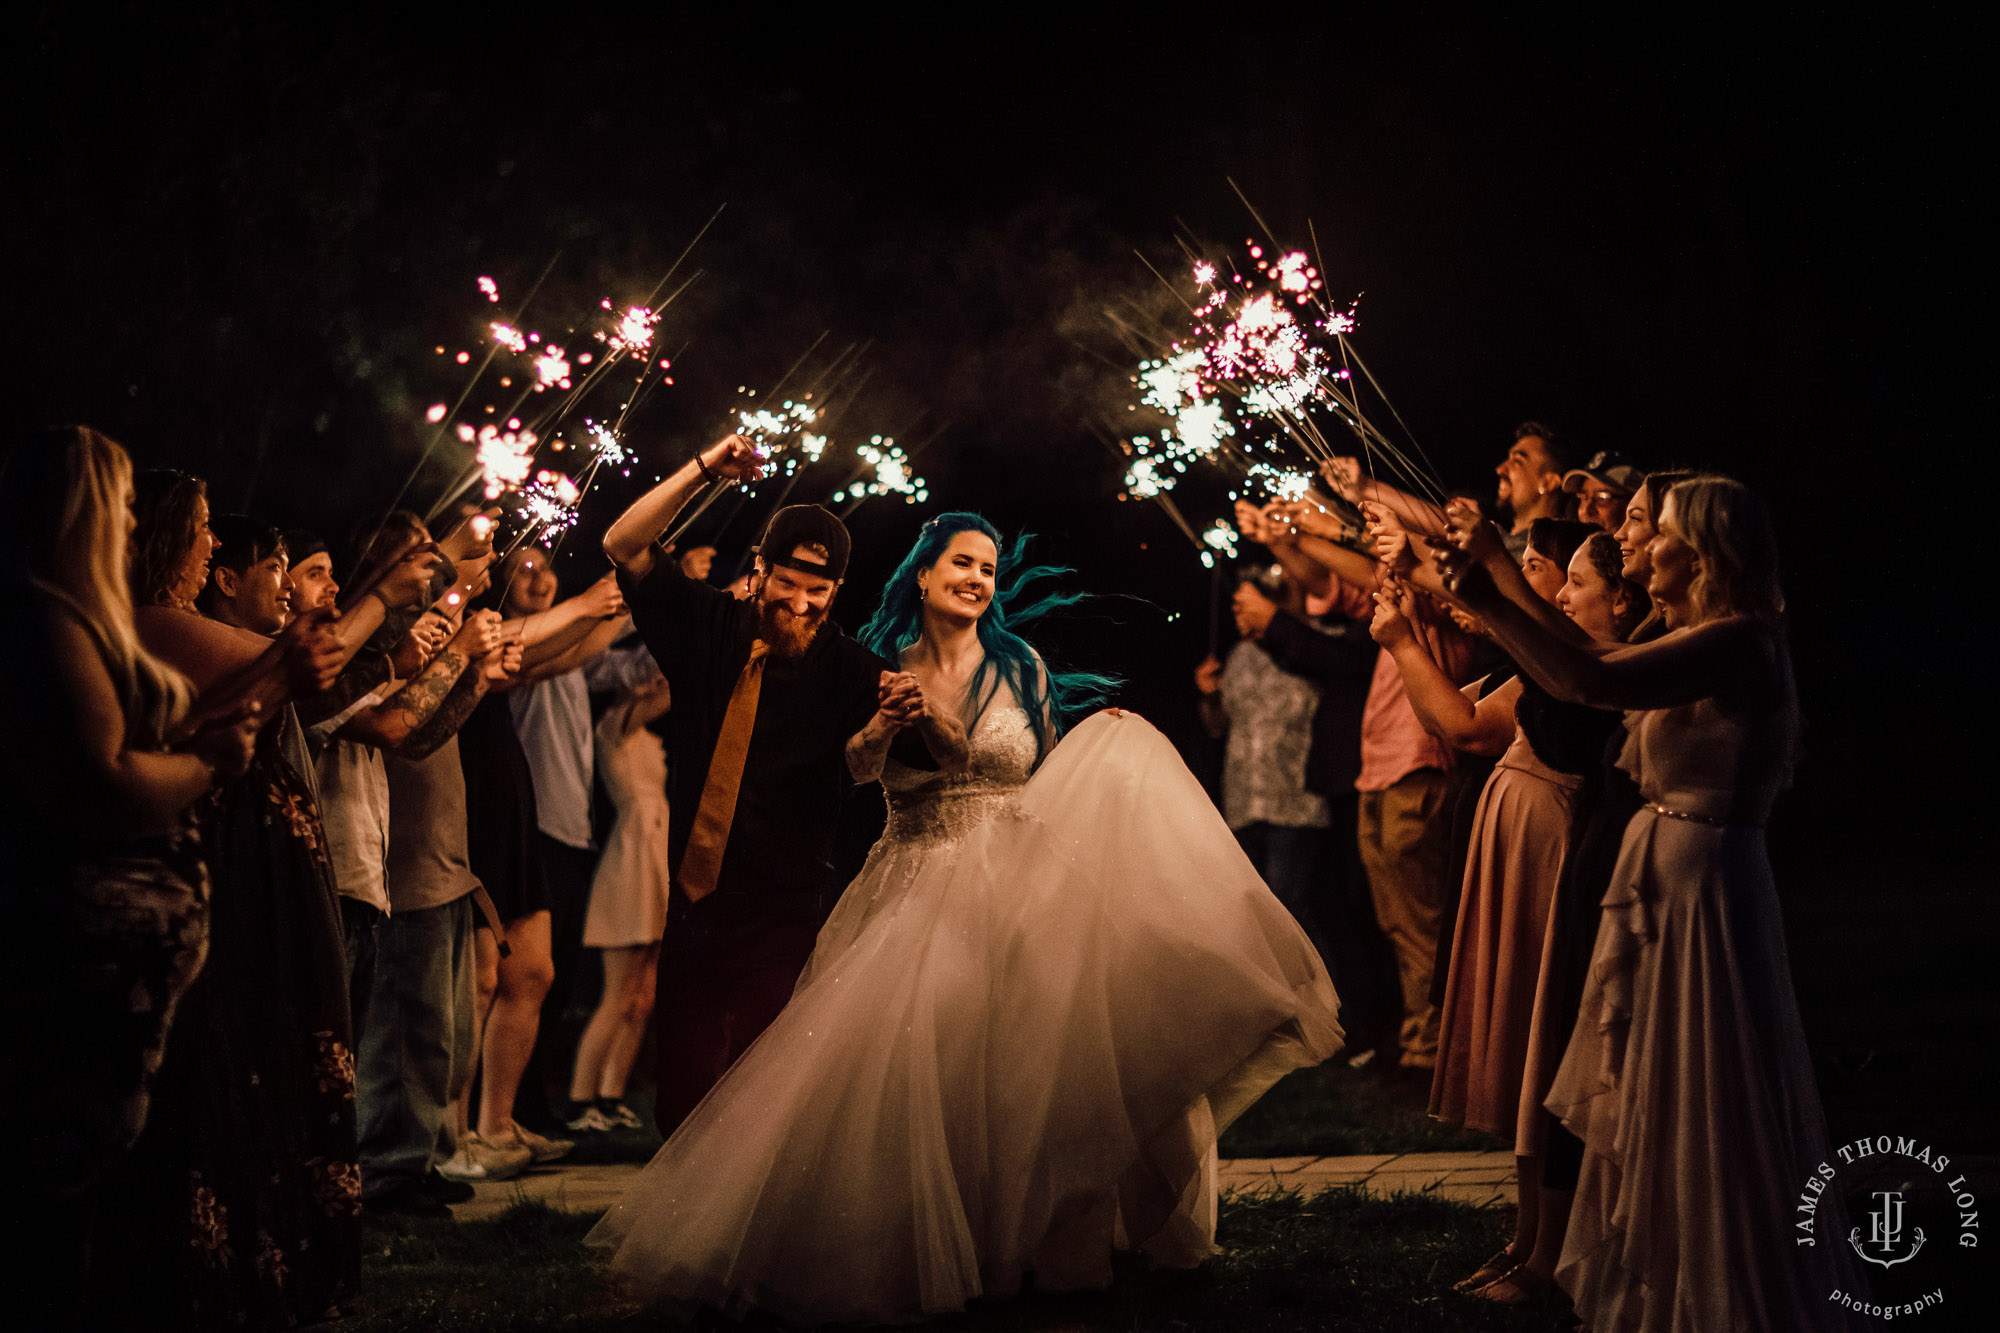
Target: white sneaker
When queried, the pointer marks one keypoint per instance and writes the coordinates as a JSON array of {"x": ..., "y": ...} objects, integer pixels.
[
  {"x": 540, "y": 1147},
  {"x": 622, "y": 1116},
  {"x": 479, "y": 1162}
]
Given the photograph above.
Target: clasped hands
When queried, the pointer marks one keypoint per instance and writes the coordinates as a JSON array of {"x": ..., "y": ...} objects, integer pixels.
[{"x": 899, "y": 700}]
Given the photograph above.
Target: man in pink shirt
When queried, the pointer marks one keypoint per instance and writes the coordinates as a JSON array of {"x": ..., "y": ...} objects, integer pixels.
[{"x": 1403, "y": 834}]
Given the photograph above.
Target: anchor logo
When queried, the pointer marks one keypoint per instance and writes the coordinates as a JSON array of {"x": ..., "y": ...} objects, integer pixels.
[{"x": 1885, "y": 1232}]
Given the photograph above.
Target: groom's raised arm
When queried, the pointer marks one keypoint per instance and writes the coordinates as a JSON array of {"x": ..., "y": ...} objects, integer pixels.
[{"x": 629, "y": 541}]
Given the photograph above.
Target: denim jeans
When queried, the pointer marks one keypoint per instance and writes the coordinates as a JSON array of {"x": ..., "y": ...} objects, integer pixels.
[
  {"x": 419, "y": 1037},
  {"x": 360, "y": 925},
  {"x": 1292, "y": 862}
]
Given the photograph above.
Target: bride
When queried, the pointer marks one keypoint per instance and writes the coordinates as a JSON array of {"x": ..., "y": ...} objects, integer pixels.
[{"x": 1023, "y": 1025}]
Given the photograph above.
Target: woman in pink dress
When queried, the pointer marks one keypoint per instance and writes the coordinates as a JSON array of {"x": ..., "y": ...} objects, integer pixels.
[{"x": 1687, "y": 1077}]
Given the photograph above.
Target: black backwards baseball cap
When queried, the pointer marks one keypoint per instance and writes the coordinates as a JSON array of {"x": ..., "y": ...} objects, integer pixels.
[
  {"x": 806, "y": 525},
  {"x": 1607, "y": 467}
]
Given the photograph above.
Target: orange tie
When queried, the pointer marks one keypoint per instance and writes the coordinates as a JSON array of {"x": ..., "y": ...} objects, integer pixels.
[{"x": 701, "y": 863}]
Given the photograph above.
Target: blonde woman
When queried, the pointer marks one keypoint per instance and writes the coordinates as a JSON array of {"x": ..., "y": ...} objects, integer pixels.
[
  {"x": 104, "y": 893},
  {"x": 1687, "y": 1077}
]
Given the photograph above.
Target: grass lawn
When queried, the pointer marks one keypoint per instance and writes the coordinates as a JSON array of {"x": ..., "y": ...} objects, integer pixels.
[
  {"x": 1334, "y": 1111},
  {"x": 1341, "y": 1260},
  {"x": 1331, "y": 1111}
]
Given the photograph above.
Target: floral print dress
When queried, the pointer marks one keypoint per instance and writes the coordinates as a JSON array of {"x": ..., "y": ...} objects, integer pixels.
[{"x": 242, "y": 1208}]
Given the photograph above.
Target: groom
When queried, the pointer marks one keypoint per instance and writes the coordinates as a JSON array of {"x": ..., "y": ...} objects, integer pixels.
[{"x": 773, "y": 706}]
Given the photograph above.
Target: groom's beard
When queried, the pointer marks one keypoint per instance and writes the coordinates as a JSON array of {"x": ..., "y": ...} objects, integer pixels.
[{"x": 789, "y": 635}]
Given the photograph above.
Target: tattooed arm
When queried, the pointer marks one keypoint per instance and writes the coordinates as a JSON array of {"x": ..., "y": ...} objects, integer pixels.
[
  {"x": 391, "y": 723},
  {"x": 444, "y": 723}
]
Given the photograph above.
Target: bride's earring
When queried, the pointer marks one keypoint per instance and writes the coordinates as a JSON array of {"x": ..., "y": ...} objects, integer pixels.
[{"x": 923, "y": 592}]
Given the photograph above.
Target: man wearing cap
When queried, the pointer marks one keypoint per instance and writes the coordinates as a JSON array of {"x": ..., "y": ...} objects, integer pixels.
[
  {"x": 1602, "y": 488},
  {"x": 769, "y": 696}
]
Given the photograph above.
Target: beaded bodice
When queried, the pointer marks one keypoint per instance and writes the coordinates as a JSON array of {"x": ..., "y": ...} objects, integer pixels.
[{"x": 929, "y": 807}]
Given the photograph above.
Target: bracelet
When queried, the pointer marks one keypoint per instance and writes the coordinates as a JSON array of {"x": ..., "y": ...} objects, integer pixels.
[{"x": 701, "y": 464}]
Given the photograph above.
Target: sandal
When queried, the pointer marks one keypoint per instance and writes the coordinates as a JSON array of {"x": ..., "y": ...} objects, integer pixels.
[
  {"x": 1499, "y": 1266},
  {"x": 1520, "y": 1285}
]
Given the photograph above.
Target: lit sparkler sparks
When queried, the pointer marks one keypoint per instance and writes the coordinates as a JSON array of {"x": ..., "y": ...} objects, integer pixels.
[
  {"x": 769, "y": 431},
  {"x": 549, "y": 503},
  {"x": 633, "y": 333},
  {"x": 606, "y": 445},
  {"x": 552, "y": 368},
  {"x": 1278, "y": 483},
  {"x": 505, "y": 457},
  {"x": 510, "y": 337},
  {"x": 1218, "y": 537},
  {"x": 491, "y": 288},
  {"x": 893, "y": 474}
]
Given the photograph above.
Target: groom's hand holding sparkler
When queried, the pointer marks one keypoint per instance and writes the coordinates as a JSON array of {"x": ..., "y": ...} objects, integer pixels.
[
  {"x": 731, "y": 458},
  {"x": 629, "y": 540}
]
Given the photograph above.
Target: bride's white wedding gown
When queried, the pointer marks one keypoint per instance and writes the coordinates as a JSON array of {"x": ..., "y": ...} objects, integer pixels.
[{"x": 1017, "y": 1039}]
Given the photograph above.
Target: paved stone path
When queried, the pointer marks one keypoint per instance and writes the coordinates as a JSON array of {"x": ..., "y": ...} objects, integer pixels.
[{"x": 1483, "y": 1179}]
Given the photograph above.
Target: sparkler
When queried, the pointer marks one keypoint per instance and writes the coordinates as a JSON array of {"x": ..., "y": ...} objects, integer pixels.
[
  {"x": 774, "y": 433},
  {"x": 549, "y": 503},
  {"x": 1260, "y": 370},
  {"x": 1218, "y": 537},
  {"x": 893, "y": 473},
  {"x": 551, "y": 369},
  {"x": 505, "y": 457},
  {"x": 607, "y": 449}
]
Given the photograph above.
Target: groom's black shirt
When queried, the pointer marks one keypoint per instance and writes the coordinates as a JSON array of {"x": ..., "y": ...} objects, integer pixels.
[{"x": 781, "y": 840}]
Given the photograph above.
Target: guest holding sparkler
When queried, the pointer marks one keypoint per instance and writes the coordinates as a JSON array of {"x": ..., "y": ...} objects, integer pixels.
[
  {"x": 1601, "y": 808},
  {"x": 250, "y": 1157},
  {"x": 249, "y": 576},
  {"x": 1336, "y": 654},
  {"x": 506, "y": 847},
  {"x": 1687, "y": 1075},
  {"x": 1405, "y": 771},
  {"x": 1530, "y": 487},
  {"x": 102, "y": 881},
  {"x": 551, "y": 714},
  {"x": 438, "y": 666},
  {"x": 768, "y": 696},
  {"x": 1511, "y": 869}
]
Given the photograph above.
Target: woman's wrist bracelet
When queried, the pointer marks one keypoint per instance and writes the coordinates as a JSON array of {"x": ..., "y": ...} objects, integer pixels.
[{"x": 701, "y": 465}]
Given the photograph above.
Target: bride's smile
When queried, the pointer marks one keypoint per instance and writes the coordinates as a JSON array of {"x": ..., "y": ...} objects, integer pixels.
[{"x": 961, "y": 582}]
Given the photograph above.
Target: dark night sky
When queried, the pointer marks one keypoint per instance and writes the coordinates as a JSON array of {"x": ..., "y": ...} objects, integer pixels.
[{"x": 235, "y": 234}]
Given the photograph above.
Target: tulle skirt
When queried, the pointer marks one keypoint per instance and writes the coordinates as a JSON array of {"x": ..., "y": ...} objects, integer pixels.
[{"x": 1011, "y": 1053}]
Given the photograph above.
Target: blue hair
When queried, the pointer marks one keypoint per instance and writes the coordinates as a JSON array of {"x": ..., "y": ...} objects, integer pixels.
[{"x": 1010, "y": 660}]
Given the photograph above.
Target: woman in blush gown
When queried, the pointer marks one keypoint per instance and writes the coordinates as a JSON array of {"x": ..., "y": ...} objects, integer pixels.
[
  {"x": 1687, "y": 1076},
  {"x": 1023, "y": 1025}
]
